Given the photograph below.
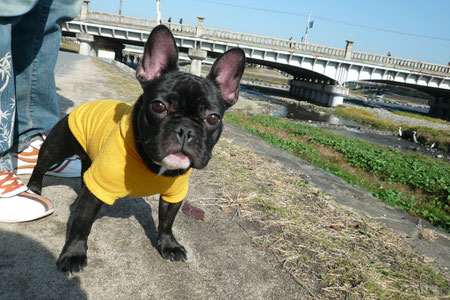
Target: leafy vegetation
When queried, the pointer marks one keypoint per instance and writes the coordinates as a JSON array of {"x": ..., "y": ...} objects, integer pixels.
[{"x": 413, "y": 183}]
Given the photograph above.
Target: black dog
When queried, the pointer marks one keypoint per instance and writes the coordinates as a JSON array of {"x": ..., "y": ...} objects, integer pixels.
[{"x": 172, "y": 128}]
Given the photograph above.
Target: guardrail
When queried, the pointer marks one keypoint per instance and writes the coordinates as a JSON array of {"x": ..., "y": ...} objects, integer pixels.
[{"x": 268, "y": 42}]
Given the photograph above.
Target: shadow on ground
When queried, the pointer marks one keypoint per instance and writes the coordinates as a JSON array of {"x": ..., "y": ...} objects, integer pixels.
[
  {"x": 65, "y": 105},
  {"x": 28, "y": 271}
]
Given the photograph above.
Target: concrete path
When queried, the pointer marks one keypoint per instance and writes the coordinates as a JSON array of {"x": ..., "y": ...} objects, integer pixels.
[{"x": 123, "y": 261}]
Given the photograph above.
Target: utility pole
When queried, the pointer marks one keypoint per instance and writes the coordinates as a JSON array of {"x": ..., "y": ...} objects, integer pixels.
[
  {"x": 120, "y": 8},
  {"x": 307, "y": 27},
  {"x": 158, "y": 12}
]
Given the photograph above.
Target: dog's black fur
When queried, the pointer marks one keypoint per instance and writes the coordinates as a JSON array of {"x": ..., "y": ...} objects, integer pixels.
[{"x": 177, "y": 113}]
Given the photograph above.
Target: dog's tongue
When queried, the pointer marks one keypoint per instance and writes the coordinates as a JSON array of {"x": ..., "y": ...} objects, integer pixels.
[{"x": 176, "y": 161}]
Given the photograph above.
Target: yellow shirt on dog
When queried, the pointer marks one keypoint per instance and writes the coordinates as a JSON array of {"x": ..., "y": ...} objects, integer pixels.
[{"x": 104, "y": 130}]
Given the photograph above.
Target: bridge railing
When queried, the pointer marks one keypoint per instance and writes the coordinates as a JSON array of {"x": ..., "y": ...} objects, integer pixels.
[
  {"x": 268, "y": 42},
  {"x": 147, "y": 24},
  {"x": 282, "y": 44},
  {"x": 401, "y": 62},
  {"x": 119, "y": 19}
]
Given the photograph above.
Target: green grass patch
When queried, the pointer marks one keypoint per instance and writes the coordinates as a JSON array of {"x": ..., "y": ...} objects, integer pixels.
[
  {"x": 414, "y": 183},
  {"x": 364, "y": 117}
]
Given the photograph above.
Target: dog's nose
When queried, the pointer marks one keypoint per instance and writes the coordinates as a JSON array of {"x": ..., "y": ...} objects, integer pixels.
[{"x": 184, "y": 134}]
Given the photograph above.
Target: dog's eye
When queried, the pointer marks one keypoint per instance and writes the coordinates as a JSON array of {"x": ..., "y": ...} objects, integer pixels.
[
  {"x": 159, "y": 107},
  {"x": 212, "y": 119}
]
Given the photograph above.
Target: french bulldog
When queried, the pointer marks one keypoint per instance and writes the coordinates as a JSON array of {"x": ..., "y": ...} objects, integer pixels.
[{"x": 146, "y": 148}]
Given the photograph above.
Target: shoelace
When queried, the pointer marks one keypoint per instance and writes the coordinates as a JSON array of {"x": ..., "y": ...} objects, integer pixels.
[{"x": 9, "y": 182}]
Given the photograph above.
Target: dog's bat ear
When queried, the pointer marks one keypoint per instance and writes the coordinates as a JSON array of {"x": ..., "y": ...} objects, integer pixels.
[
  {"x": 226, "y": 73},
  {"x": 160, "y": 55}
]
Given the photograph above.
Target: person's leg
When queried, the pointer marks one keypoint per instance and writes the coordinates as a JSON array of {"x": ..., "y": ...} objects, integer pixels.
[
  {"x": 28, "y": 48},
  {"x": 35, "y": 45},
  {"x": 7, "y": 97},
  {"x": 17, "y": 203}
]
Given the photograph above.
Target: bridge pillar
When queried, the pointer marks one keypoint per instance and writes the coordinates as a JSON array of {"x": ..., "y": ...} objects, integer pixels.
[
  {"x": 84, "y": 12},
  {"x": 319, "y": 93},
  {"x": 196, "y": 56},
  {"x": 349, "y": 49},
  {"x": 199, "y": 30},
  {"x": 86, "y": 43},
  {"x": 440, "y": 108}
]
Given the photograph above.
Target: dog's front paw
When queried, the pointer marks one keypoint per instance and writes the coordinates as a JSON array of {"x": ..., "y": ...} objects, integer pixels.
[
  {"x": 72, "y": 259},
  {"x": 171, "y": 249}
]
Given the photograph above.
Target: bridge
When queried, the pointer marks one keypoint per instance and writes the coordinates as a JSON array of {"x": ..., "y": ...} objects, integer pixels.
[{"x": 319, "y": 71}]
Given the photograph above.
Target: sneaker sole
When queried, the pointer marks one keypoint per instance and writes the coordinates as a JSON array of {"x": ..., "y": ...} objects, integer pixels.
[
  {"x": 47, "y": 213},
  {"x": 24, "y": 207}
]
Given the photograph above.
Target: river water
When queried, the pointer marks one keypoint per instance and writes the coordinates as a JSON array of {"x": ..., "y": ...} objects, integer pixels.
[
  {"x": 289, "y": 110},
  {"x": 331, "y": 123}
]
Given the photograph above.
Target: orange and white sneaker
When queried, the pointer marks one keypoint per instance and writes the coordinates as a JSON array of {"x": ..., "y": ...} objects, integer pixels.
[
  {"x": 18, "y": 203},
  {"x": 25, "y": 161}
]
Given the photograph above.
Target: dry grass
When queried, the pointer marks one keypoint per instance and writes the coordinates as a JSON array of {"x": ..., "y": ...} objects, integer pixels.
[
  {"x": 263, "y": 71},
  {"x": 69, "y": 46},
  {"x": 328, "y": 250}
]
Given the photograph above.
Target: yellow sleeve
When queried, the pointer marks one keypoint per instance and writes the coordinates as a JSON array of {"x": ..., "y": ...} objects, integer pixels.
[{"x": 106, "y": 176}]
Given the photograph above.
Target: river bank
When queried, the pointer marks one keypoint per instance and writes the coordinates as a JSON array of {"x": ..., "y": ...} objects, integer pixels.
[{"x": 274, "y": 100}]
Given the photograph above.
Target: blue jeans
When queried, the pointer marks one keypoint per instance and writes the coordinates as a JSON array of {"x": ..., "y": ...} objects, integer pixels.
[{"x": 29, "y": 46}]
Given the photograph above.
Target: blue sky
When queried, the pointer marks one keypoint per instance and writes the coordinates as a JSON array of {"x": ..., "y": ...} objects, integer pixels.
[{"x": 412, "y": 29}]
